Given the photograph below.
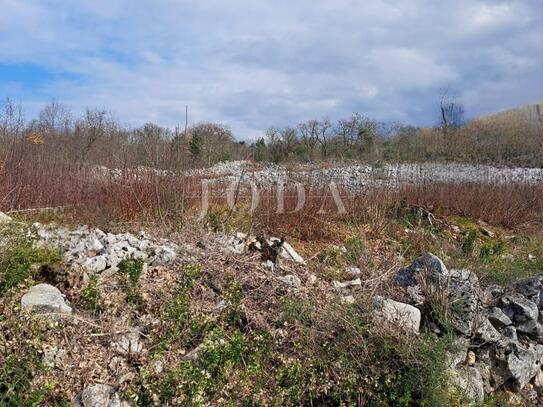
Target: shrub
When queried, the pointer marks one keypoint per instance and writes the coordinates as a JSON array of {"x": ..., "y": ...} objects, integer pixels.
[
  {"x": 469, "y": 242},
  {"x": 90, "y": 295},
  {"x": 132, "y": 269},
  {"x": 20, "y": 258}
]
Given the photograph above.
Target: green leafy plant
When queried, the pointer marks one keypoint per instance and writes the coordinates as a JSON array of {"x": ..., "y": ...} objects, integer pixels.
[
  {"x": 90, "y": 295},
  {"x": 469, "y": 242},
  {"x": 131, "y": 270},
  {"x": 20, "y": 258},
  {"x": 491, "y": 248}
]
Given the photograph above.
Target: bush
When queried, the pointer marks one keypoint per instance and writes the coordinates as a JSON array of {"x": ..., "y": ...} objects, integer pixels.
[
  {"x": 132, "y": 269},
  {"x": 20, "y": 258}
]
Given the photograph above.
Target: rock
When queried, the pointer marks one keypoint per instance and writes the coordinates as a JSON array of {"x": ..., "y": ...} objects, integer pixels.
[
  {"x": 538, "y": 379},
  {"x": 352, "y": 272},
  {"x": 491, "y": 293},
  {"x": 269, "y": 265},
  {"x": 287, "y": 252},
  {"x": 485, "y": 230},
  {"x": 463, "y": 293},
  {"x": 221, "y": 305},
  {"x": 4, "y": 218},
  {"x": 498, "y": 318},
  {"x": 531, "y": 328},
  {"x": 405, "y": 316},
  {"x": 97, "y": 251},
  {"x": 515, "y": 363},
  {"x": 352, "y": 283},
  {"x": 194, "y": 354},
  {"x": 486, "y": 333},
  {"x": 163, "y": 256},
  {"x": 531, "y": 288},
  {"x": 291, "y": 280},
  {"x": 427, "y": 275},
  {"x": 470, "y": 382},
  {"x": 128, "y": 343},
  {"x": 234, "y": 244},
  {"x": 99, "y": 395},
  {"x": 510, "y": 332},
  {"x": 312, "y": 280},
  {"x": 348, "y": 299},
  {"x": 427, "y": 264},
  {"x": 45, "y": 298},
  {"x": 95, "y": 264},
  {"x": 93, "y": 245},
  {"x": 518, "y": 308},
  {"x": 53, "y": 356},
  {"x": 458, "y": 352}
]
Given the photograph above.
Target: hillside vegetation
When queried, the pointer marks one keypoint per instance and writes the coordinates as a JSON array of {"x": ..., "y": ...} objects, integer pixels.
[{"x": 134, "y": 274}]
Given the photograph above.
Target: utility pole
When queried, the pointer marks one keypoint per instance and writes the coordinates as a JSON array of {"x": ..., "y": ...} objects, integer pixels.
[{"x": 186, "y": 119}]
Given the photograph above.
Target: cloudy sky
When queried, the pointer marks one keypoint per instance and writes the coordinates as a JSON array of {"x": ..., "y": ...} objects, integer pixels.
[{"x": 253, "y": 64}]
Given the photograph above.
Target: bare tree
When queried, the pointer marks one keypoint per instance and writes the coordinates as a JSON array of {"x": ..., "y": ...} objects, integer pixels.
[{"x": 55, "y": 118}]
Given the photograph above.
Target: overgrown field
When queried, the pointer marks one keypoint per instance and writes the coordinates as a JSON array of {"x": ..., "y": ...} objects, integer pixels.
[{"x": 219, "y": 328}]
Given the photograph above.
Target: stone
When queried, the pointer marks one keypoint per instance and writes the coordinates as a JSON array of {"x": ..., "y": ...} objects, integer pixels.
[
  {"x": 463, "y": 293},
  {"x": 518, "y": 308},
  {"x": 457, "y": 353},
  {"x": 498, "y": 318},
  {"x": 163, "y": 256},
  {"x": 510, "y": 332},
  {"x": 288, "y": 252},
  {"x": 491, "y": 293},
  {"x": 515, "y": 363},
  {"x": 460, "y": 286},
  {"x": 352, "y": 272},
  {"x": 99, "y": 395},
  {"x": 470, "y": 382},
  {"x": 348, "y": 299},
  {"x": 312, "y": 279},
  {"x": 486, "y": 333},
  {"x": 53, "y": 356},
  {"x": 45, "y": 298},
  {"x": 195, "y": 354},
  {"x": 4, "y": 218},
  {"x": 95, "y": 264},
  {"x": 428, "y": 263},
  {"x": 291, "y": 280},
  {"x": 405, "y": 316},
  {"x": 128, "y": 343},
  {"x": 93, "y": 245},
  {"x": 538, "y": 379},
  {"x": 531, "y": 288},
  {"x": 352, "y": 283},
  {"x": 531, "y": 328},
  {"x": 269, "y": 265}
]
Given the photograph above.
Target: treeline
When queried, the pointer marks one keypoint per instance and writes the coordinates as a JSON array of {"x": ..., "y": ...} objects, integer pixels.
[
  {"x": 96, "y": 138},
  {"x": 513, "y": 137}
]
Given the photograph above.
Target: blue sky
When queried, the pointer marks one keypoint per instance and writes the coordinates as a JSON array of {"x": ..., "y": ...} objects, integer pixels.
[{"x": 254, "y": 64}]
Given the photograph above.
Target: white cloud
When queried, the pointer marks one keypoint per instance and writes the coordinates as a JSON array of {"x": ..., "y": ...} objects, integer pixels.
[{"x": 256, "y": 64}]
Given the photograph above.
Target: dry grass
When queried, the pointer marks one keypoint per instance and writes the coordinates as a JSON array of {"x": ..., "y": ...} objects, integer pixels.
[{"x": 86, "y": 196}]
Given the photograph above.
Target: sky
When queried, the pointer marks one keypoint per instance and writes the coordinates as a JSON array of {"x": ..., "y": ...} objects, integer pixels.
[{"x": 256, "y": 64}]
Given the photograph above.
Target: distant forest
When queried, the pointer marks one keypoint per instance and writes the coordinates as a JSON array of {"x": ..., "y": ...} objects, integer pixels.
[{"x": 513, "y": 137}]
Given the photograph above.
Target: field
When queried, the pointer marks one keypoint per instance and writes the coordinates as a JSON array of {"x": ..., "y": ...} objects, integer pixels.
[
  {"x": 226, "y": 319},
  {"x": 250, "y": 282}
]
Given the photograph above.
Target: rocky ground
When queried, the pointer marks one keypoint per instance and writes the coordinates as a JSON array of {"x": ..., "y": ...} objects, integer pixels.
[
  {"x": 215, "y": 318},
  {"x": 360, "y": 176}
]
